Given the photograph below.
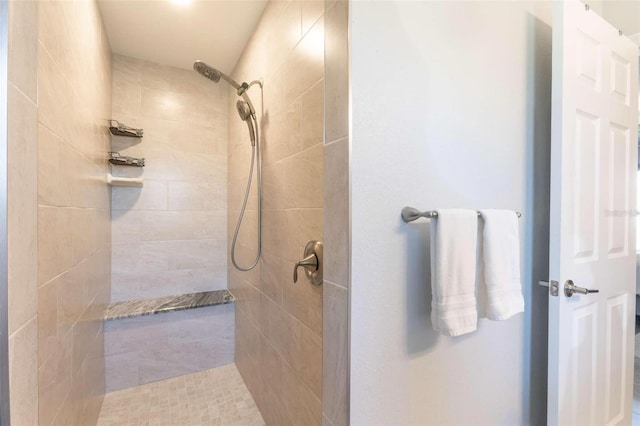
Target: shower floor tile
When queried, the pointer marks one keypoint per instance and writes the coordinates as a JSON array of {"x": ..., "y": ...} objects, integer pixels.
[{"x": 212, "y": 397}]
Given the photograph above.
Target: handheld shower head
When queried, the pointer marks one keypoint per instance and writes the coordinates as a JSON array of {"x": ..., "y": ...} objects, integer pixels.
[
  {"x": 248, "y": 115},
  {"x": 244, "y": 110},
  {"x": 207, "y": 71}
]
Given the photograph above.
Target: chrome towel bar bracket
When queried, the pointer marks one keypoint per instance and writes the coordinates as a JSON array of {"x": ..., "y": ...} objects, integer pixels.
[{"x": 409, "y": 214}]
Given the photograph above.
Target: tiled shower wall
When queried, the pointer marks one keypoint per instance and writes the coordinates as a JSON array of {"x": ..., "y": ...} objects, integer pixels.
[
  {"x": 335, "y": 372},
  {"x": 169, "y": 237},
  {"x": 279, "y": 323},
  {"x": 74, "y": 238},
  {"x": 22, "y": 217}
]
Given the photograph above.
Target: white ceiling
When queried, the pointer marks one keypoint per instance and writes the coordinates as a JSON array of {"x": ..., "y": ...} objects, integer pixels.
[{"x": 171, "y": 33}]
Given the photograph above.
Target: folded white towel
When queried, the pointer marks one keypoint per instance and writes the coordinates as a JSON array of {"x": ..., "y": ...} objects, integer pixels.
[
  {"x": 501, "y": 261},
  {"x": 453, "y": 271}
]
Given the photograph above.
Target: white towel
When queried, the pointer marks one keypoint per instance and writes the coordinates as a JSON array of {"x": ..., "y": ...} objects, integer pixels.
[
  {"x": 501, "y": 261},
  {"x": 453, "y": 271}
]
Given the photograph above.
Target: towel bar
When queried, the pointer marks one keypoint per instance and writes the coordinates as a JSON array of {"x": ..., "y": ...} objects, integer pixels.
[{"x": 409, "y": 214}]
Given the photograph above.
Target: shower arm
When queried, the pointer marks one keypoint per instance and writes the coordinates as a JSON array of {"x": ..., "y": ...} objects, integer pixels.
[
  {"x": 246, "y": 86},
  {"x": 231, "y": 81}
]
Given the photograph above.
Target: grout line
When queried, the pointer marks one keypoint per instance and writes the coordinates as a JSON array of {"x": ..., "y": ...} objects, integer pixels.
[
  {"x": 16, "y": 331},
  {"x": 27, "y": 97}
]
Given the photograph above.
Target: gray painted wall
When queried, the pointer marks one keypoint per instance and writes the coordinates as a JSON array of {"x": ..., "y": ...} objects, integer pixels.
[{"x": 450, "y": 108}]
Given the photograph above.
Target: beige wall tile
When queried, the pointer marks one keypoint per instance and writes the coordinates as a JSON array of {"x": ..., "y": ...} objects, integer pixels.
[
  {"x": 274, "y": 411},
  {"x": 271, "y": 277},
  {"x": 281, "y": 136},
  {"x": 93, "y": 381},
  {"x": 126, "y": 68},
  {"x": 326, "y": 421},
  {"x": 127, "y": 98},
  {"x": 155, "y": 76},
  {"x": 54, "y": 242},
  {"x": 22, "y": 208},
  {"x": 312, "y": 116},
  {"x": 153, "y": 196},
  {"x": 285, "y": 318},
  {"x": 71, "y": 411},
  {"x": 197, "y": 196},
  {"x": 336, "y": 221},
  {"x": 84, "y": 334},
  {"x": 179, "y": 225},
  {"x": 47, "y": 319},
  {"x": 54, "y": 379},
  {"x": 83, "y": 237},
  {"x": 197, "y": 254},
  {"x": 283, "y": 31},
  {"x": 307, "y": 226},
  {"x": 144, "y": 349},
  {"x": 311, "y": 11},
  {"x": 335, "y": 354},
  {"x": 122, "y": 371},
  {"x": 126, "y": 226},
  {"x": 310, "y": 361},
  {"x": 305, "y": 66},
  {"x": 302, "y": 406},
  {"x": 74, "y": 95},
  {"x": 170, "y": 233},
  {"x": 50, "y": 182},
  {"x": 303, "y": 300},
  {"x": 53, "y": 95},
  {"x": 23, "y": 377},
  {"x": 23, "y": 46},
  {"x": 272, "y": 187},
  {"x": 70, "y": 299},
  {"x": 165, "y": 105},
  {"x": 49, "y": 32},
  {"x": 303, "y": 179},
  {"x": 336, "y": 71}
]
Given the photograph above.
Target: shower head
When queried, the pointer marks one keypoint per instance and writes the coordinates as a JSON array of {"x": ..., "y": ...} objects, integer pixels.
[
  {"x": 207, "y": 71},
  {"x": 213, "y": 74},
  {"x": 244, "y": 111}
]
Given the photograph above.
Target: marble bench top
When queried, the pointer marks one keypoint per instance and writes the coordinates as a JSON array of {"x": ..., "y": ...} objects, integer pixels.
[{"x": 136, "y": 308}]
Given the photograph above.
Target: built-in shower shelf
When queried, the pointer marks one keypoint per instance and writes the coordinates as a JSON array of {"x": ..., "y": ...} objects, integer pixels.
[
  {"x": 124, "y": 181},
  {"x": 122, "y": 160},
  {"x": 120, "y": 129}
]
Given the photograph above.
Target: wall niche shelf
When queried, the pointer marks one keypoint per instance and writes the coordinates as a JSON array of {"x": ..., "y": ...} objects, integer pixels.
[{"x": 119, "y": 129}]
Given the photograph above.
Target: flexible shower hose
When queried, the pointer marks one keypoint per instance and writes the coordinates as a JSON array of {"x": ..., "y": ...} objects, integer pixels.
[{"x": 255, "y": 158}]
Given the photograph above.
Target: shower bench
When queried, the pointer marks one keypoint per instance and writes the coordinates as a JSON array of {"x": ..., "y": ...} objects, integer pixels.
[{"x": 156, "y": 339}]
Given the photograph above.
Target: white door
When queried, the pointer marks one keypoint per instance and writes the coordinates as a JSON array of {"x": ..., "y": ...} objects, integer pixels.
[{"x": 593, "y": 167}]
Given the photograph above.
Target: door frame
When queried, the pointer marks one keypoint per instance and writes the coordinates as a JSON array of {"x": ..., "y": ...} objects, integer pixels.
[{"x": 4, "y": 106}]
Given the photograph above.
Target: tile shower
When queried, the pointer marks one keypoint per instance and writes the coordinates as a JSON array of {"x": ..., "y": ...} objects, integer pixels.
[
  {"x": 279, "y": 323},
  {"x": 74, "y": 232},
  {"x": 170, "y": 237}
]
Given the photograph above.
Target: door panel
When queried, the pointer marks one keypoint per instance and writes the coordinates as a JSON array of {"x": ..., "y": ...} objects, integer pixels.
[
  {"x": 593, "y": 166},
  {"x": 616, "y": 361}
]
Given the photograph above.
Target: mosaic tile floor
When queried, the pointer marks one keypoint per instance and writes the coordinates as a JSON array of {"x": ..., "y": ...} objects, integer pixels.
[{"x": 212, "y": 397}]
